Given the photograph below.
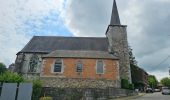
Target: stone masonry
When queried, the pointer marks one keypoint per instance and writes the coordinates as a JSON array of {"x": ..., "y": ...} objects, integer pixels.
[
  {"x": 79, "y": 83},
  {"x": 118, "y": 45}
]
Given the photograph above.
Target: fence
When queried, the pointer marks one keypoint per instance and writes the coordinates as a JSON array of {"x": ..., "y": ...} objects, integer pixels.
[{"x": 14, "y": 91}]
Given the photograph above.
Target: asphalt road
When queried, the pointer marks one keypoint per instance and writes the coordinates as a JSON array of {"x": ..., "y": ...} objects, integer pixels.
[{"x": 153, "y": 96}]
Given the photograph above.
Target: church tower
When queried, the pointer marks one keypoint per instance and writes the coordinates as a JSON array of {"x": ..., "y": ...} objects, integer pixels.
[{"x": 118, "y": 44}]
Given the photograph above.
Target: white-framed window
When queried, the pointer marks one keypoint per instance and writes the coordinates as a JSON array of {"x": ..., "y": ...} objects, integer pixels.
[
  {"x": 99, "y": 67},
  {"x": 58, "y": 66},
  {"x": 79, "y": 66}
]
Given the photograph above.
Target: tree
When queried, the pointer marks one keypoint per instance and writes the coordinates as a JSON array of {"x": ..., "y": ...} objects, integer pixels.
[
  {"x": 2, "y": 68},
  {"x": 165, "y": 81},
  {"x": 152, "y": 81},
  {"x": 131, "y": 56}
]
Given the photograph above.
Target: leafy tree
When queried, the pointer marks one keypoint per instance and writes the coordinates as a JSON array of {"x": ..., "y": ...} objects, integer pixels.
[
  {"x": 2, "y": 68},
  {"x": 10, "y": 77},
  {"x": 165, "y": 81},
  {"x": 152, "y": 81}
]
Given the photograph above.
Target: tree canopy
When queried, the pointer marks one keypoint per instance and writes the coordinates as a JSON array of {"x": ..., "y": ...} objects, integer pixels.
[
  {"x": 152, "y": 81},
  {"x": 2, "y": 68},
  {"x": 165, "y": 81}
]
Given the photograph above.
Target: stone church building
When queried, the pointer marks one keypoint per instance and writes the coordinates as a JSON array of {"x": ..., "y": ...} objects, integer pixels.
[{"x": 78, "y": 61}]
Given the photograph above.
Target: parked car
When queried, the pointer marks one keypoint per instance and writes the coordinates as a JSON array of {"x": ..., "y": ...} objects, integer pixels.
[
  {"x": 165, "y": 90},
  {"x": 157, "y": 90},
  {"x": 149, "y": 90}
]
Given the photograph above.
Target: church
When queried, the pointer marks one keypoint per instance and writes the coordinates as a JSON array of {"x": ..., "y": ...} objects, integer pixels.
[{"x": 92, "y": 62}]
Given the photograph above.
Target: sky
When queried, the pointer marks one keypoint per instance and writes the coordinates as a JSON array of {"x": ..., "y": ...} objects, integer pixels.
[{"x": 148, "y": 26}]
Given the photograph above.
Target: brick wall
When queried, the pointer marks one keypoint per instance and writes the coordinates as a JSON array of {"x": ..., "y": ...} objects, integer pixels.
[{"x": 111, "y": 69}]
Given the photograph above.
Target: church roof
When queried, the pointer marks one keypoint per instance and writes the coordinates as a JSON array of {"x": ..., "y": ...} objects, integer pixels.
[
  {"x": 47, "y": 44},
  {"x": 80, "y": 54},
  {"x": 115, "y": 15}
]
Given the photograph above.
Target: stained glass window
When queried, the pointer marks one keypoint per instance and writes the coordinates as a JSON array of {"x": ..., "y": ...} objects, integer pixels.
[{"x": 33, "y": 63}]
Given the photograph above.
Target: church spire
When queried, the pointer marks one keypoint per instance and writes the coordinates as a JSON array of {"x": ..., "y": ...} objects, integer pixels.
[{"x": 115, "y": 15}]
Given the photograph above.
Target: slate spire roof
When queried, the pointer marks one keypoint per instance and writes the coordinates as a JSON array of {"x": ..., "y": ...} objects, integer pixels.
[{"x": 115, "y": 15}]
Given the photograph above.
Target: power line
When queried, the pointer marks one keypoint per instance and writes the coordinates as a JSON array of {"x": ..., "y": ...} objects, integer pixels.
[{"x": 163, "y": 61}]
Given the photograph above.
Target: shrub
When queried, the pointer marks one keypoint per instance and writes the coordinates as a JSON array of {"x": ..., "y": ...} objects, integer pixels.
[
  {"x": 10, "y": 77},
  {"x": 124, "y": 84},
  {"x": 37, "y": 86},
  {"x": 131, "y": 86},
  {"x": 46, "y": 98}
]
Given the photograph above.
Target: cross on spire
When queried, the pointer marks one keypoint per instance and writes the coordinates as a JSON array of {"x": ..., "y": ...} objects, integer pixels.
[{"x": 115, "y": 15}]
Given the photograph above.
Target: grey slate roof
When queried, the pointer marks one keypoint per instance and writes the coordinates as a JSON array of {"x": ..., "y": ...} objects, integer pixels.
[
  {"x": 80, "y": 54},
  {"x": 47, "y": 44},
  {"x": 115, "y": 15}
]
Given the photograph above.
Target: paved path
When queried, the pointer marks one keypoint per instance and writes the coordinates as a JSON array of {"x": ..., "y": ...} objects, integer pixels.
[{"x": 153, "y": 96}]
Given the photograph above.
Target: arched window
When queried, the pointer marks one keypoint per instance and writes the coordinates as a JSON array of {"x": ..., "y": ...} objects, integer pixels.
[
  {"x": 99, "y": 67},
  {"x": 79, "y": 66},
  {"x": 58, "y": 65},
  {"x": 33, "y": 63}
]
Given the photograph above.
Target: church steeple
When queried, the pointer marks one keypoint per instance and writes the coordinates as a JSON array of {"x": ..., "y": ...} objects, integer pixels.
[
  {"x": 118, "y": 43},
  {"x": 115, "y": 15}
]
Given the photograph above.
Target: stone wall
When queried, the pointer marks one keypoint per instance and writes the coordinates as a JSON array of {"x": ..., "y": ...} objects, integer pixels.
[
  {"x": 118, "y": 43},
  {"x": 22, "y": 65},
  {"x": 85, "y": 93},
  {"x": 78, "y": 83}
]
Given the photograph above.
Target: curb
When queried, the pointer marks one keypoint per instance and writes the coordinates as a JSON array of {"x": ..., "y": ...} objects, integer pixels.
[{"x": 129, "y": 97}]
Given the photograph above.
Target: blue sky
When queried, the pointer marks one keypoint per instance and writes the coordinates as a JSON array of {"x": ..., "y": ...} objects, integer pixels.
[
  {"x": 51, "y": 24},
  {"x": 147, "y": 20}
]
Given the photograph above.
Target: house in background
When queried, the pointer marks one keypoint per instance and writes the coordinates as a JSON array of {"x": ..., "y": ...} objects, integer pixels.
[
  {"x": 96, "y": 62},
  {"x": 139, "y": 78}
]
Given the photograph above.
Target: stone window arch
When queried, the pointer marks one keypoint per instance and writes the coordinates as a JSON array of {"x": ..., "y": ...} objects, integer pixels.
[{"x": 33, "y": 64}]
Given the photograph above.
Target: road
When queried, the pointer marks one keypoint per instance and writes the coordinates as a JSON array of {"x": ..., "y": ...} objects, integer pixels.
[{"x": 153, "y": 96}]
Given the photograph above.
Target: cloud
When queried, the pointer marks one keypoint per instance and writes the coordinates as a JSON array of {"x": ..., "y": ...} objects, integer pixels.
[
  {"x": 148, "y": 26},
  {"x": 88, "y": 18},
  {"x": 21, "y": 19},
  {"x": 159, "y": 74}
]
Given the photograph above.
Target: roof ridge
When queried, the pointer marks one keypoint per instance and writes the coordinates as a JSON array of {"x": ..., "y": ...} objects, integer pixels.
[
  {"x": 27, "y": 44},
  {"x": 68, "y": 37}
]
